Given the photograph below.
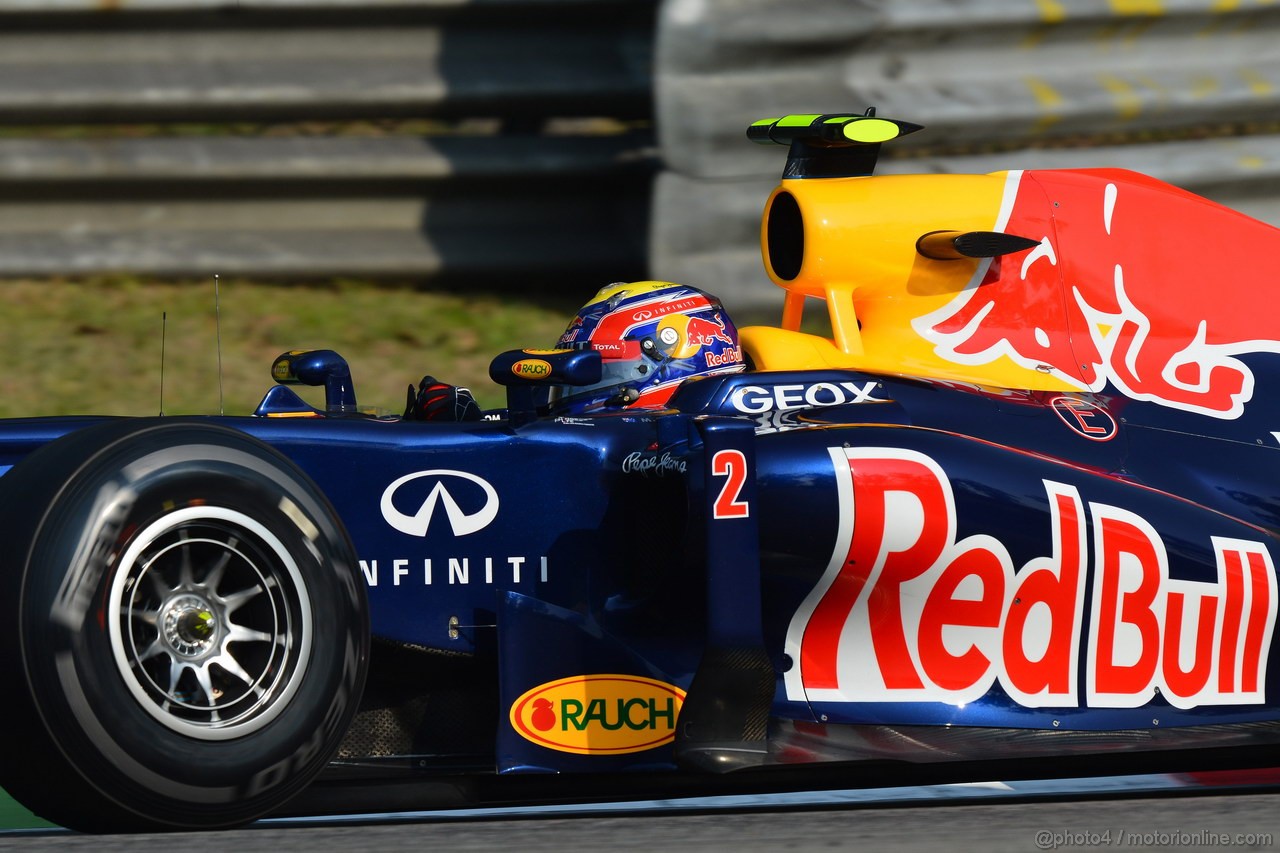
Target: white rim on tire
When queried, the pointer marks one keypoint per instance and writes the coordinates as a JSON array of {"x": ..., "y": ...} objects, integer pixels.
[{"x": 209, "y": 620}]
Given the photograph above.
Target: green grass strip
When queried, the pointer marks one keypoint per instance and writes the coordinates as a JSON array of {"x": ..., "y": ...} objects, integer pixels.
[{"x": 14, "y": 816}]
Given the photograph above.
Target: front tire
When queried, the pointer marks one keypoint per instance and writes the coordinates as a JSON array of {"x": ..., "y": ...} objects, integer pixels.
[{"x": 184, "y": 634}]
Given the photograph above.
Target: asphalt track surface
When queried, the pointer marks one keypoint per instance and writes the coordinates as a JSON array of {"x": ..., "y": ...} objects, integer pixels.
[{"x": 1182, "y": 820}]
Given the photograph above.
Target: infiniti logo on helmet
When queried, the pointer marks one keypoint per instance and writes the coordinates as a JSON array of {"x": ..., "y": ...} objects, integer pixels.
[{"x": 460, "y": 521}]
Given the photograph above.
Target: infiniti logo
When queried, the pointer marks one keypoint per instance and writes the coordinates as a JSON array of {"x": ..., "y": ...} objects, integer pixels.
[{"x": 461, "y": 522}]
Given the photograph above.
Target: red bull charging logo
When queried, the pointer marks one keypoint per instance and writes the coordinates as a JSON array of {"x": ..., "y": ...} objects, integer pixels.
[
  {"x": 1135, "y": 283},
  {"x": 704, "y": 332}
]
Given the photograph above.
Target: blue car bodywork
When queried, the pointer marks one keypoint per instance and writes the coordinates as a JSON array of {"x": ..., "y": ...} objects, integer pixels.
[{"x": 574, "y": 547}]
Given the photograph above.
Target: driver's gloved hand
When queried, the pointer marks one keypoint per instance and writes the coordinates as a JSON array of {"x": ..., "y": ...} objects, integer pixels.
[{"x": 436, "y": 401}]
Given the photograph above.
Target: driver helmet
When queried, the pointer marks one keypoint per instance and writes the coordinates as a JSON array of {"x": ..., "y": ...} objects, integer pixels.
[{"x": 651, "y": 336}]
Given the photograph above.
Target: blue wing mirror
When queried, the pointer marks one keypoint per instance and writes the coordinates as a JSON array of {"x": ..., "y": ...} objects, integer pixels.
[
  {"x": 528, "y": 374},
  {"x": 318, "y": 367}
]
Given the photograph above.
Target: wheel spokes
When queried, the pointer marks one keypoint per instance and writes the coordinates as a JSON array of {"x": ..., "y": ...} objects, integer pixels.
[
  {"x": 210, "y": 638},
  {"x": 149, "y": 618},
  {"x": 158, "y": 585},
  {"x": 231, "y": 666},
  {"x": 176, "y": 668},
  {"x": 214, "y": 576},
  {"x": 241, "y": 634},
  {"x": 236, "y": 600},
  {"x": 156, "y": 649},
  {"x": 186, "y": 572},
  {"x": 205, "y": 680}
]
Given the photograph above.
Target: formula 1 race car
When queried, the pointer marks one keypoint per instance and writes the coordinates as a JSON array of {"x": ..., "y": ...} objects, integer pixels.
[{"x": 1017, "y": 506}]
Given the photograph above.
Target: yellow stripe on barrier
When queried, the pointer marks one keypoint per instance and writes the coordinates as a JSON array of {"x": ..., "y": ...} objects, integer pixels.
[
  {"x": 1050, "y": 102},
  {"x": 1142, "y": 8},
  {"x": 1205, "y": 87},
  {"x": 1258, "y": 85},
  {"x": 1051, "y": 11},
  {"x": 1127, "y": 102}
]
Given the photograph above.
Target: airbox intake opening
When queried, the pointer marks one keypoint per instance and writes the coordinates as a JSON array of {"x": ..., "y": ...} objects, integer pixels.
[{"x": 784, "y": 234}]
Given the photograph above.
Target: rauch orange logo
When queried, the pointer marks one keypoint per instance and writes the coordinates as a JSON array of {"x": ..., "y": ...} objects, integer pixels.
[
  {"x": 531, "y": 368},
  {"x": 599, "y": 714}
]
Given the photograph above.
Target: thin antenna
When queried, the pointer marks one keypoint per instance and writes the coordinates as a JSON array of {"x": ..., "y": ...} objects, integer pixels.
[
  {"x": 164, "y": 327},
  {"x": 217, "y": 315}
]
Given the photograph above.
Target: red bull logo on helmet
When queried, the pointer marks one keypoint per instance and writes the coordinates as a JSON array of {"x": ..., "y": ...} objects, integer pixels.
[
  {"x": 1135, "y": 284},
  {"x": 704, "y": 332}
]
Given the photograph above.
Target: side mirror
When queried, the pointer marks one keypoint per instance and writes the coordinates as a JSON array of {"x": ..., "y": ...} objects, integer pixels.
[
  {"x": 318, "y": 367},
  {"x": 529, "y": 373}
]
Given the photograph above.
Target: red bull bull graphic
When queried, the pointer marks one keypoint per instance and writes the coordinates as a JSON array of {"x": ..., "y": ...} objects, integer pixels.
[
  {"x": 1135, "y": 284},
  {"x": 704, "y": 332},
  {"x": 906, "y": 612}
]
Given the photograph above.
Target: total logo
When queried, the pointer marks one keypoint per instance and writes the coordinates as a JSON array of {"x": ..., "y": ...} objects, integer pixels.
[
  {"x": 905, "y": 612},
  {"x": 614, "y": 349},
  {"x": 428, "y": 490},
  {"x": 757, "y": 399},
  {"x": 599, "y": 714}
]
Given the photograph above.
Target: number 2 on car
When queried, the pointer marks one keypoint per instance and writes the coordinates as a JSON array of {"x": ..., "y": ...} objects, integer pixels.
[{"x": 732, "y": 465}]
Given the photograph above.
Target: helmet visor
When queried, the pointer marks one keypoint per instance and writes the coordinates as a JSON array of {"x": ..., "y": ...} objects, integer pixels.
[{"x": 615, "y": 373}]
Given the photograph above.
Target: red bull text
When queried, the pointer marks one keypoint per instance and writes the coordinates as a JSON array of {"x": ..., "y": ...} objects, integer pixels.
[{"x": 904, "y": 612}]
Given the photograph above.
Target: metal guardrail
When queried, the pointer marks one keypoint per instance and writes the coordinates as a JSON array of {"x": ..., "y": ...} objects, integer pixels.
[
  {"x": 457, "y": 139},
  {"x": 394, "y": 207},
  {"x": 356, "y": 185},
  {"x": 1185, "y": 90}
]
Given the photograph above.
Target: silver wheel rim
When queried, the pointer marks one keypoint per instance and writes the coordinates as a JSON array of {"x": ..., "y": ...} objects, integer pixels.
[{"x": 209, "y": 622}]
